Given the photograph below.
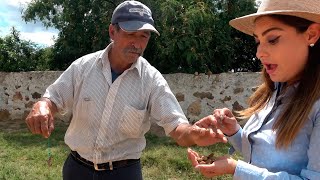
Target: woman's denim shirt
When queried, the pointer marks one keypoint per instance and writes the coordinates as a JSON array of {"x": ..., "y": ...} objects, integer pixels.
[{"x": 256, "y": 142}]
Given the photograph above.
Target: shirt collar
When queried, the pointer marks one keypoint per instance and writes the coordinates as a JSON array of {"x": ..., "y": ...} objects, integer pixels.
[
  {"x": 106, "y": 64},
  {"x": 290, "y": 90},
  {"x": 137, "y": 65}
]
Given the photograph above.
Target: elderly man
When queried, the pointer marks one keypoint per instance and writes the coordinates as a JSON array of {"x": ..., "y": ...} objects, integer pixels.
[{"x": 111, "y": 94}]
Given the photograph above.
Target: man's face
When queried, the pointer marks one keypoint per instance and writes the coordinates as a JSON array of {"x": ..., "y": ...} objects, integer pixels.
[{"x": 128, "y": 45}]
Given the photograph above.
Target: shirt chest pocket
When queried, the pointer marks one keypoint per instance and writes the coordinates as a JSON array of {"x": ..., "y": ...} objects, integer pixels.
[
  {"x": 133, "y": 122},
  {"x": 84, "y": 110}
]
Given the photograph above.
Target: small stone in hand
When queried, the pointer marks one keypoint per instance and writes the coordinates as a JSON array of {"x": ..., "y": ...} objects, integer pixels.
[{"x": 206, "y": 159}]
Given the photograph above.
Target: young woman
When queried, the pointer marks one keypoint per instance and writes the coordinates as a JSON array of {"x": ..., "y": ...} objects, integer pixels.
[{"x": 282, "y": 136}]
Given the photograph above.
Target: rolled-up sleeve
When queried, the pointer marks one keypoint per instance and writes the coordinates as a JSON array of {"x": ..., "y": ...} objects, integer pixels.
[
  {"x": 164, "y": 106},
  {"x": 61, "y": 92}
]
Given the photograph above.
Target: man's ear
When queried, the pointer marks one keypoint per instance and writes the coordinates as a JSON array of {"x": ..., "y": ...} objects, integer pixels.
[
  {"x": 111, "y": 31},
  {"x": 313, "y": 33}
]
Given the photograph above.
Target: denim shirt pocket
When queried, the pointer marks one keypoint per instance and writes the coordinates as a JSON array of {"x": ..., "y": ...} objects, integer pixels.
[{"x": 132, "y": 122}]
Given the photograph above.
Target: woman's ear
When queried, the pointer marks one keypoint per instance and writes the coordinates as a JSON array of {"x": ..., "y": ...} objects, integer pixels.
[{"x": 313, "y": 33}]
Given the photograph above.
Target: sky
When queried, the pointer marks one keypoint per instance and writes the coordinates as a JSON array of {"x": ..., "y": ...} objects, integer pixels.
[{"x": 10, "y": 15}]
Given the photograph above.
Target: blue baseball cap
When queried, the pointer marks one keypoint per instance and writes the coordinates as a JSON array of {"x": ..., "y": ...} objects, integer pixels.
[{"x": 133, "y": 16}]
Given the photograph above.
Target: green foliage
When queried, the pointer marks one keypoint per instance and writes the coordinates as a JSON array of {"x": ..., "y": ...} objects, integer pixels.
[
  {"x": 20, "y": 55},
  {"x": 195, "y": 35},
  {"x": 44, "y": 59},
  {"x": 83, "y": 26},
  {"x": 244, "y": 48},
  {"x": 186, "y": 36}
]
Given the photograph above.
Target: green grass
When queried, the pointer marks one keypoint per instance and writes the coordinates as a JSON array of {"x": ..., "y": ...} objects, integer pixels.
[{"x": 24, "y": 156}]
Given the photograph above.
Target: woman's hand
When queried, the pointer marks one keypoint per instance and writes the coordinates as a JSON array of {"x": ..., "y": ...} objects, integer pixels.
[
  {"x": 226, "y": 121},
  {"x": 222, "y": 165}
]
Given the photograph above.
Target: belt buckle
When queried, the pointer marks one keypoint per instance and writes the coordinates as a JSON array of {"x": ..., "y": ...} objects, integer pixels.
[
  {"x": 102, "y": 169},
  {"x": 97, "y": 168}
]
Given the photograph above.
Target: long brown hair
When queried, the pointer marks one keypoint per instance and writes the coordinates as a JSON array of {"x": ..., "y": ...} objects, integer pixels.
[{"x": 295, "y": 115}]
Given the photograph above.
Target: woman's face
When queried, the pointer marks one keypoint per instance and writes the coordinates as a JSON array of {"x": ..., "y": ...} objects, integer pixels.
[{"x": 282, "y": 50}]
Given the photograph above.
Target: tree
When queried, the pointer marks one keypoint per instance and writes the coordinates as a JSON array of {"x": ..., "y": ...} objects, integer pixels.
[
  {"x": 21, "y": 55},
  {"x": 82, "y": 24},
  {"x": 186, "y": 37},
  {"x": 195, "y": 35},
  {"x": 244, "y": 48}
]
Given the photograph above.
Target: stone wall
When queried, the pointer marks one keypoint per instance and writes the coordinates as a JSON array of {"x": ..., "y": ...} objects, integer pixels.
[{"x": 198, "y": 95}]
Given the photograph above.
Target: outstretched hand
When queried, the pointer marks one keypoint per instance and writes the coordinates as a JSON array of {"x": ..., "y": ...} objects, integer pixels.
[
  {"x": 205, "y": 133},
  {"x": 40, "y": 119},
  {"x": 222, "y": 165}
]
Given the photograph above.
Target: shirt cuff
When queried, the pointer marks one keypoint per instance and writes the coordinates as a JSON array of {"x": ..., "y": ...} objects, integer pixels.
[
  {"x": 235, "y": 140},
  {"x": 248, "y": 171}
]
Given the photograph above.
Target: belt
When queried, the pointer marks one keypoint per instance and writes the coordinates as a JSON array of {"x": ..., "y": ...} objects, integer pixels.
[{"x": 104, "y": 166}]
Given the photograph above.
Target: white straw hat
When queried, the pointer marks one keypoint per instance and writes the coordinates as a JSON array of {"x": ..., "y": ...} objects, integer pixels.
[{"x": 307, "y": 9}]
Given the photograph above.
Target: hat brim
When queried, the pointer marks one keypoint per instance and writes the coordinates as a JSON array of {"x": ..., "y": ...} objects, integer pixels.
[
  {"x": 132, "y": 26},
  {"x": 246, "y": 25}
]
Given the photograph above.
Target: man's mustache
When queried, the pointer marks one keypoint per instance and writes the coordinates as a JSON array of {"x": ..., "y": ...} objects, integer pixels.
[{"x": 134, "y": 50}]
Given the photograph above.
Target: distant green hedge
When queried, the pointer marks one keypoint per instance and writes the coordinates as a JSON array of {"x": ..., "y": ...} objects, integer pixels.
[{"x": 20, "y": 55}]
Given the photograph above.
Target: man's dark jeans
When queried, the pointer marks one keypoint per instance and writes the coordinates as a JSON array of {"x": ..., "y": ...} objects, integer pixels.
[{"x": 73, "y": 170}]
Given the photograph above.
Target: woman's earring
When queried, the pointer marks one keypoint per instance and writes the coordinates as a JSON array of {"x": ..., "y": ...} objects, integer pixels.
[{"x": 311, "y": 45}]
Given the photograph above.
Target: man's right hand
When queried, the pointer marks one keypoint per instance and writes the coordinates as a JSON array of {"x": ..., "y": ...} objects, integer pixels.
[{"x": 40, "y": 119}]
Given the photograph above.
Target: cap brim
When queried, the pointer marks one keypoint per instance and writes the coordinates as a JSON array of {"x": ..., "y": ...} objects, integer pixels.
[
  {"x": 245, "y": 24},
  {"x": 132, "y": 26}
]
